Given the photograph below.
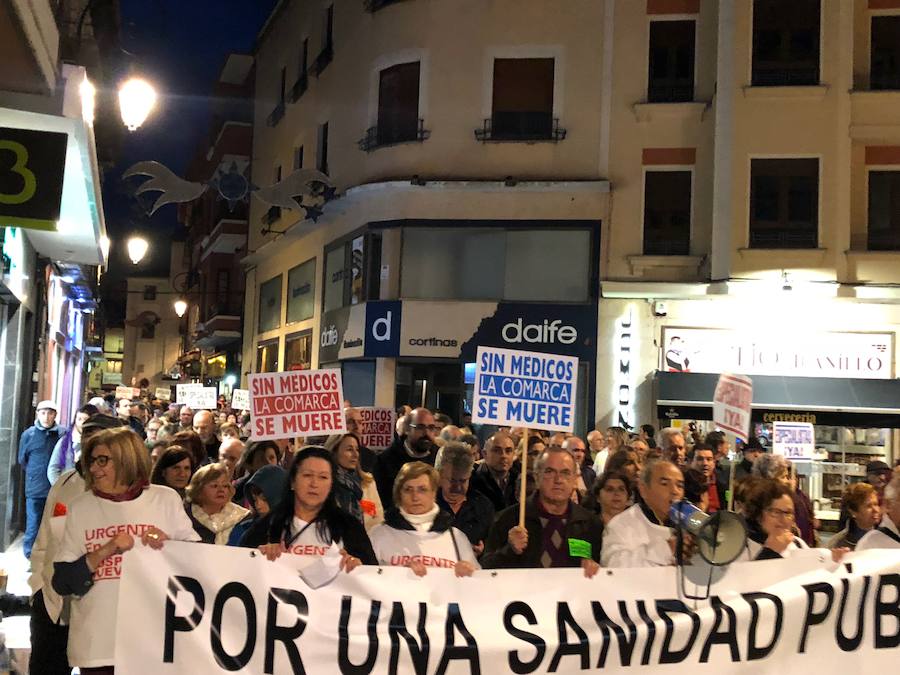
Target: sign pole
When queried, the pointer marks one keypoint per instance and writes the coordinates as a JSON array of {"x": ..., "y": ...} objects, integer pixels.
[
  {"x": 523, "y": 477},
  {"x": 730, "y": 493}
]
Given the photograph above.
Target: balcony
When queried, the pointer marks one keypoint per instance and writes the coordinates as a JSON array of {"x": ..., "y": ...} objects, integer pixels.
[
  {"x": 373, "y": 6},
  {"x": 299, "y": 88},
  {"x": 658, "y": 243},
  {"x": 786, "y": 73},
  {"x": 669, "y": 92},
  {"x": 275, "y": 116},
  {"x": 783, "y": 239},
  {"x": 323, "y": 59},
  {"x": 383, "y": 135},
  {"x": 521, "y": 127}
]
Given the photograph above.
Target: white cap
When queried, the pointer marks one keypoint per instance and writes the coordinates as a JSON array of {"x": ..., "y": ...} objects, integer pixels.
[{"x": 47, "y": 404}]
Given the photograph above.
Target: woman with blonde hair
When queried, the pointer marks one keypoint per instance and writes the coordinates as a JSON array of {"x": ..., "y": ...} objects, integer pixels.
[
  {"x": 118, "y": 498},
  {"x": 208, "y": 504},
  {"x": 354, "y": 489}
]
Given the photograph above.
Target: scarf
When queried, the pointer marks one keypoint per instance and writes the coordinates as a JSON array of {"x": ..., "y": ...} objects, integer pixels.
[
  {"x": 421, "y": 522},
  {"x": 220, "y": 523},
  {"x": 133, "y": 492},
  {"x": 349, "y": 492}
]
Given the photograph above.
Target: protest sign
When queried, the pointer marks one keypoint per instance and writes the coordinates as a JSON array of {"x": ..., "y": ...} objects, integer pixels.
[
  {"x": 732, "y": 403},
  {"x": 517, "y": 388},
  {"x": 376, "y": 431},
  {"x": 163, "y": 393},
  {"x": 126, "y": 392},
  {"x": 182, "y": 391},
  {"x": 296, "y": 403},
  {"x": 793, "y": 440},
  {"x": 240, "y": 399},
  {"x": 218, "y": 609}
]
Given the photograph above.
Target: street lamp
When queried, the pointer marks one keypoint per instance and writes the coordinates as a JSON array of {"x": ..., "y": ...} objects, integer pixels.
[
  {"x": 136, "y": 99},
  {"x": 180, "y": 307},
  {"x": 137, "y": 249}
]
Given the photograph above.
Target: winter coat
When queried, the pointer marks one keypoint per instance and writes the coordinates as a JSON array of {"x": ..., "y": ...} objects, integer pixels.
[
  {"x": 271, "y": 481},
  {"x": 62, "y": 458},
  {"x": 215, "y": 529},
  {"x": 474, "y": 518},
  {"x": 388, "y": 465},
  {"x": 483, "y": 481},
  {"x": 35, "y": 448}
]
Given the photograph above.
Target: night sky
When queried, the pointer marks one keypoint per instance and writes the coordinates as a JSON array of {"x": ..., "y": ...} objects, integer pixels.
[{"x": 179, "y": 46}]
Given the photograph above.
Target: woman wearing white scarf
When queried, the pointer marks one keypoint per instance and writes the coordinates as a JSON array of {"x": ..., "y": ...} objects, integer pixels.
[
  {"x": 209, "y": 505},
  {"x": 417, "y": 534}
]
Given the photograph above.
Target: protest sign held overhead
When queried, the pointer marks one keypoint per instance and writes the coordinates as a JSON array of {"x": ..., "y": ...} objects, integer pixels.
[
  {"x": 517, "y": 388},
  {"x": 126, "y": 392},
  {"x": 732, "y": 403},
  {"x": 296, "y": 403},
  {"x": 163, "y": 393},
  {"x": 240, "y": 399},
  {"x": 793, "y": 440},
  {"x": 197, "y": 397},
  {"x": 376, "y": 431}
]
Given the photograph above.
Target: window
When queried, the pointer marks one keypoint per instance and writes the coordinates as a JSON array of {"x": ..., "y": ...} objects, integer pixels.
[
  {"x": 267, "y": 356},
  {"x": 270, "y": 304},
  {"x": 327, "y": 53},
  {"x": 671, "y": 62},
  {"x": 150, "y": 293},
  {"x": 522, "y": 99},
  {"x": 352, "y": 271},
  {"x": 667, "y": 212},
  {"x": 885, "y": 64},
  {"x": 398, "y": 104},
  {"x": 478, "y": 263},
  {"x": 301, "y": 292},
  {"x": 884, "y": 210},
  {"x": 222, "y": 288},
  {"x": 148, "y": 330},
  {"x": 298, "y": 158},
  {"x": 784, "y": 203},
  {"x": 322, "y": 159},
  {"x": 298, "y": 351},
  {"x": 283, "y": 87},
  {"x": 278, "y": 112},
  {"x": 274, "y": 212},
  {"x": 785, "y": 43}
]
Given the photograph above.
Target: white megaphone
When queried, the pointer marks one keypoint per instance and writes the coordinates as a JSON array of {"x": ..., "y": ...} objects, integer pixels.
[{"x": 720, "y": 537}]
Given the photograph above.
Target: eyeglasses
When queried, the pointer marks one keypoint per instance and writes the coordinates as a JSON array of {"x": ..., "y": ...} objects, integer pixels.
[
  {"x": 99, "y": 460},
  {"x": 565, "y": 474},
  {"x": 433, "y": 428},
  {"x": 787, "y": 515}
]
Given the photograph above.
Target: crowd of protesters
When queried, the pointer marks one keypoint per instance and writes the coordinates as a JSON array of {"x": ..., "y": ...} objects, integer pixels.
[{"x": 132, "y": 472}]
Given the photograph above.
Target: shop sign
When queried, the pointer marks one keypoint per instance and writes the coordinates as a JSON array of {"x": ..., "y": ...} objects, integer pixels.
[
  {"x": 793, "y": 440},
  {"x": 732, "y": 404},
  {"x": 383, "y": 319},
  {"x": 625, "y": 364},
  {"x": 13, "y": 257},
  {"x": 341, "y": 334},
  {"x": 32, "y": 168},
  {"x": 842, "y": 355}
]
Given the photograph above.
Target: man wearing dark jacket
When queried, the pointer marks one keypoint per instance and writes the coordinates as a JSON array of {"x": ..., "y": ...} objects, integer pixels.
[
  {"x": 417, "y": 445},
  {"x": 472, "y": 512},
  {"x": 35, "y": 448},
  {"x": 557, "y": 532},
  {"x": 495, "y": 478}
]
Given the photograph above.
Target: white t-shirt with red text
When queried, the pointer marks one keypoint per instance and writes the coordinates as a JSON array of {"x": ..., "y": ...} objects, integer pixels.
[
  {"x": 433, "y": 549},
  {"x": 306, "y": 543},
  {"x": 91, "y": 522}
]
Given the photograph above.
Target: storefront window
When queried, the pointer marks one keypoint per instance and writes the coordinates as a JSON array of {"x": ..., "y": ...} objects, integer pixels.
[
  {"x": 215, "y": 366},
  {"x": 496, "y": 264},
  {"x": 267, "y": 357},
  {"x": 270, "y": 305},
  {"x": 298, "y": 351},
  {"x": 352, "y": 268},
  {"x": 301, "y": 292}
]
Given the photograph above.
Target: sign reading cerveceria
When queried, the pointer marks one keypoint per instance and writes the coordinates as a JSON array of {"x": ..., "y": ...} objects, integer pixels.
[{"x": 32, "y": 166}]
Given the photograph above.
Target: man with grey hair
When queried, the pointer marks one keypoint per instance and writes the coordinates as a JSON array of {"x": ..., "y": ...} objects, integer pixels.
[
  {"x": 472, "y": 512},
  {"x": 887, "y": 534},
  {"x": 671, "y": 442},
  {"x": 557, "y": 532},
  {"x": 640, "y": 536},
  {"x": 417, "y": 444},
  {"x": 205, "y": 428}
]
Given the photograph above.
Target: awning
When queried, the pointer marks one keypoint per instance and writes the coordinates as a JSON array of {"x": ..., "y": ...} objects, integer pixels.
[{"x": 819, "y": 400}]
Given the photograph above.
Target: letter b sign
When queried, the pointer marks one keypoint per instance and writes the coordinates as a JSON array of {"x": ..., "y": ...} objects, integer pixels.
[{"x": 383, "y": 328}]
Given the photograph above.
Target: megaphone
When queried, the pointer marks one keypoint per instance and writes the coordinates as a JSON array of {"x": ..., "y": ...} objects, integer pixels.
[{"x": 720, "y": 537}]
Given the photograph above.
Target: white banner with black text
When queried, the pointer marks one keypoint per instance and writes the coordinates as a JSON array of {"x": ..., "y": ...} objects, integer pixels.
[{"x": 222, "y": 609}]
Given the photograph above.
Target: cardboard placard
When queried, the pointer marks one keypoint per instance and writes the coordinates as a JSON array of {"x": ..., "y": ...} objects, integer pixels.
[
  {"x": 240, "y": 399},
  {"x": 732, "y": 403},
  {"x": 296, "y": 403},
  {"x": 793, "y": 440},
  {"x": 377, "y": 429},
  {"x": 163, "y": 393}
]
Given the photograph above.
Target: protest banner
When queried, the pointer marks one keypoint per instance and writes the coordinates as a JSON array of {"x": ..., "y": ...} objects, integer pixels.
[
  {"x": 732, "y": 403},
  {"x": 163, "y": 393},
  {"x": 528, "y": 389},
  {"x": 218, "y": 609},
  {"x": 296, "y": 403},
  {"x": 793, "y": 440},
  {"x": 376, "y": 431},
  {"x": 240, "y": 399}
]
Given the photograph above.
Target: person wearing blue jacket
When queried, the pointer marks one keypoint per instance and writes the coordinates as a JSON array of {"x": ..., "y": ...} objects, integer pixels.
[
  {"x": 35, "y": 448},
  {"x": 264, "y": 490}
]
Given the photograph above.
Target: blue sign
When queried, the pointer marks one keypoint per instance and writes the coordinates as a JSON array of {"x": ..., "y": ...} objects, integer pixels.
[
  {"x": 517, "y": 388},
  {"x": 382, "y": 337}
]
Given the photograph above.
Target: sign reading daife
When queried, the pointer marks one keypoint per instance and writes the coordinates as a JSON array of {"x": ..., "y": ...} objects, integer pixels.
[
  {"x": 793, "y": 440},
  {"x": 376, "y": 431},
  {"x": 240, "y": 399},
  {"x": 515, "y": 388},
  {"x": 297, "y": 403},
  {"x": 732, "y": 403}
]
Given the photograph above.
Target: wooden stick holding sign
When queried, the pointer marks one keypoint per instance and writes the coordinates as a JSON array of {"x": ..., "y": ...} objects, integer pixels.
[{"x": 524, "y": 389}]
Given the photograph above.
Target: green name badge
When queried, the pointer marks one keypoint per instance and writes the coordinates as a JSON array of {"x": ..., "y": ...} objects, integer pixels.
[{"x": 579, "y": 548}]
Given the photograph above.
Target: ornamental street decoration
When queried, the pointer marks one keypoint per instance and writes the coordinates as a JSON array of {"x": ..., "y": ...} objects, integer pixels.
[
  {"x": 32, "y": 168},
  {"x": 306, "y": 190}
]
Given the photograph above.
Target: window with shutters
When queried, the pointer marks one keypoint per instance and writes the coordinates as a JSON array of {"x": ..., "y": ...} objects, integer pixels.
[
  {"x": 667, "y": 212},
  {"x": 671, "y": 62},
  {"x": 885, "y": 53},
  {"x": 784, "y": 203},
  {"x": 786, "y": 47},
  {"x": 398, "y": 103},
  {"x": 522, "y": 103}
]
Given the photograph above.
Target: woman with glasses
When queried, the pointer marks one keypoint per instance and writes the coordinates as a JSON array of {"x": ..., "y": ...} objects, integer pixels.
[
  {"x": 208, "y": 504},
  {"x": 416, "y": 533},
  {"x": 769, "y": 511},
  {"x": 118, "y": 498}
]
